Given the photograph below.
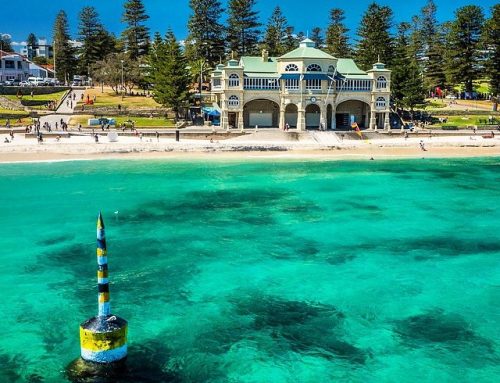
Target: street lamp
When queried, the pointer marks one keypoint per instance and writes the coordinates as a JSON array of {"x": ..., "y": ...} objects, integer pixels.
[{"x": 123, "y": 84}]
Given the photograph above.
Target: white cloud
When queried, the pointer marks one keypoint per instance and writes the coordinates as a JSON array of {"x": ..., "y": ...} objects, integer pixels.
[{"x": 16, "y": 44}]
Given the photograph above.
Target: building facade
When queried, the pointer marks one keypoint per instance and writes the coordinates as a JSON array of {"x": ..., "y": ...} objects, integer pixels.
[
  {"x": 42, "y": 49},
  {"x": 13, "y": 66},
  {"x": 303, "y": 89}
]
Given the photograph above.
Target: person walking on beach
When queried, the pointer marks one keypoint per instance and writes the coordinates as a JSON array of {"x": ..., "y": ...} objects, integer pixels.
[
  {"x": 157, "y": 136},
  {"x": 422, "y": 146},
  {"x": 96, "y": 138}
]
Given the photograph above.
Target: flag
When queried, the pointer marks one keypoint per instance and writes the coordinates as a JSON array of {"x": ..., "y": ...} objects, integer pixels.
[{"x": 355, "y": 126}]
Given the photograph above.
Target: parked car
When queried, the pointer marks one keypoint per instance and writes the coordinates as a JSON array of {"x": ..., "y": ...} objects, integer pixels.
[
  {"x": 9, "y": 82},
  {"x": 451, "y": 97},
  {"x": 24, "y": 83}
]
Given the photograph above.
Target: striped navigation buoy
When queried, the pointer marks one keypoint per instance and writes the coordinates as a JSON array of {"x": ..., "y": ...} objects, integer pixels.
[{"x": 103, "y": 339}]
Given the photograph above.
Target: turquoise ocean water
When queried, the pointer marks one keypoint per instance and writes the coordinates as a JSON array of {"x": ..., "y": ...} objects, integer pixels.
[{"x": 380, "y": 271}]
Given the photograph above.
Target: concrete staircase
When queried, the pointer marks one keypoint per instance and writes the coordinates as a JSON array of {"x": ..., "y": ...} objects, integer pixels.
[{"x": 323, "y": 138}]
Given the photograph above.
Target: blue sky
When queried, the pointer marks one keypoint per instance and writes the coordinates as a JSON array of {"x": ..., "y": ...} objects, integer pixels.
[{"x": 19, "y": 19}]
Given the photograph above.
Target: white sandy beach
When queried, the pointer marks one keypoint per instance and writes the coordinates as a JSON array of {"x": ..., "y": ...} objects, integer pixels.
[{"x": 23, "y": 149}]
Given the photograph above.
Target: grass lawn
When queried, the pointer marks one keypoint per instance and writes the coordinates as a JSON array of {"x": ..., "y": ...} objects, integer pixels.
[
  {"x": 463, "y": 121},
  {"x": 110, "y": 98},
  {"x": 435, "y": 104},
  {"x": 14, "y": 116},
  {"x": 140, "y": 122},
  {"x": 38, "y": 98}
]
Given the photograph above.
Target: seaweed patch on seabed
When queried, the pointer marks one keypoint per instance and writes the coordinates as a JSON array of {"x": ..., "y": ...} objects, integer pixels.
[
  {"x": 199, "y": 205},
  {"x": 304, "y": 327},
  {"x": 11, "y": 367},
  {"x": 55, "y": 240},
  {"x": 448, "y": 331},
  {"x": 449, "y": 246}
]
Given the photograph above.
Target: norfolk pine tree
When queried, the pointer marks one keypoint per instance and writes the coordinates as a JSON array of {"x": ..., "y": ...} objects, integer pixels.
[
  {"x": 136, "y": 35},
  {"x": 276, "y": 30},
  {"x": 169, "y": 73},
  {"x": 375, "y": 40},
  {"x": 206, "y": 34},
  {"x": 31, "y": 43},
  {"x": 464, "y": 40},
  {"x": 243, "y": 23},
  {"x": 407, "y": 86},
  {"x": 64, "y": 53},
  {"x": 97, "y": 42},
  {"x": 337, "y": 41},
  {"x": 491, "y": 36},
  {"x": 317, "y": 37}
]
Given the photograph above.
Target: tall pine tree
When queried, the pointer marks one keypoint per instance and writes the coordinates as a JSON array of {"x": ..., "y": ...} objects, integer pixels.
[
  {"x": 434, "y": 75},
  {"x": 64, "y": 54},
  {"x": 406, "y": 82},
  {"x": 464, "y": 41},
  {"x": 492, "y": 43},
  {"x": 276, "y": 32},
  {"x": 374, "y": 36},
  {"x": 317, "y": 37},
  {"x": 206, "y": 33},
  {"x": 169, "y": 74},
  {"x": 31, "y": 44},
  {"x": 243, "y": 23},
  {"x": 337, "y": 41},
  {"x": 136, "y": 35},
  {"x": 97, "y": 43}
]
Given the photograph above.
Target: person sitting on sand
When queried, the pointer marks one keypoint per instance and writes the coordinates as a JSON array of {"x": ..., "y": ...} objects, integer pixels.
[{"x": 6, "y": 141}]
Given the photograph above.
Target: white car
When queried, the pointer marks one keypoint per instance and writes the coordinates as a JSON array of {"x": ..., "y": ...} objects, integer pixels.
[
  {"x": 451, "y": 97},
  {"x": 24, "y": 83}
]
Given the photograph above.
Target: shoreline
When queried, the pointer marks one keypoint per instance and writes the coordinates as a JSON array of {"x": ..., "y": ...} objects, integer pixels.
[
  {"x": 23, "y": 150},
  {"x": 394, "y": 153}
]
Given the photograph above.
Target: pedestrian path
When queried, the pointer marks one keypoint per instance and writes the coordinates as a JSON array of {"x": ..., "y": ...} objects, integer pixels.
[{"x": 65, "y": 109}]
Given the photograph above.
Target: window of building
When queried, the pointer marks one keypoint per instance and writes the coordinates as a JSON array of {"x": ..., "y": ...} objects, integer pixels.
[
  {"x": 331, "y": 69},
  {"x": 313, "y": 84},
  {"x": 234, "y": 80},
  {"x": 291, "y": 68},
  {"x": 381, "y": 82},
  {"x": 354, "y": 85},
  {"x": 314, "y": 68},
  {"x": 216, "y": 83},
  {"x": 19, "y": 65},
  {"x": 380, "y": 103},
  {"x": 9, "y": 64},
  {"x": 260, "y": 83},
  {"x": 292, "y": 84},
  {"x": 233, "y": 101}
]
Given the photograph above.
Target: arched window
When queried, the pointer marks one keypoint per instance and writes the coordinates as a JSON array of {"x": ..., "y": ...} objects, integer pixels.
[
  {"x": 331, "y": 69},
  {"x": 314, "y": 68},
  {"x": 234, "y": 80},
  {"x": 233, "y": 101},
  {"x": 380, "y": 103},
  {"x": 381, "y": 82},
  {"x": 291, "y": 68}
]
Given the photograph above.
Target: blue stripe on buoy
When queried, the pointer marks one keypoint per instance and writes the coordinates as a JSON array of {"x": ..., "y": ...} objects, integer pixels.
[{"x": 107, "y": 356}]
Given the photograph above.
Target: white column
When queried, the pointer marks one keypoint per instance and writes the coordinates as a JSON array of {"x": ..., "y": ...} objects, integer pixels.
[
  {"x": 240, "y": 122},
  {"x": 224, "y": 120},
  {"x": 373, "y": 120},
  {"x": 301, "y": 119},
  {"x": 281, "y": 123},
  {"x": 387, "y": 125}
]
